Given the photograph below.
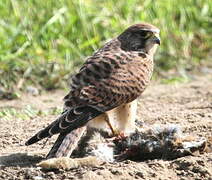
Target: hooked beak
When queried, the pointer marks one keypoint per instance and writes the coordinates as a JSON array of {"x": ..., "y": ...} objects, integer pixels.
[{"x": 156, "y": 40}]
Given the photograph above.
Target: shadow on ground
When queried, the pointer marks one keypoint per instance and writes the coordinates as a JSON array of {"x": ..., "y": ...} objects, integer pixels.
[{"x": 19, "y": 159}]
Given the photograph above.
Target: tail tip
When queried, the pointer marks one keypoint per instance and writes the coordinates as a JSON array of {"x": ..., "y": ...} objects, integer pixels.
[
  {"x": 32, "y": 140},
  {"x": 27, "y": 143}
]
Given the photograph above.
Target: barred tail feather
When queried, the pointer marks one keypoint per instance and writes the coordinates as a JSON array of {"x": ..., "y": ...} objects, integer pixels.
[
  {"x": 67, "y": 122},
  {"x": 66, "y": 143}
]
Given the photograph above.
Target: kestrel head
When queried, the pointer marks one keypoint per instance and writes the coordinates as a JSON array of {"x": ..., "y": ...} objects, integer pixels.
[{"x": 140, "y": 37}]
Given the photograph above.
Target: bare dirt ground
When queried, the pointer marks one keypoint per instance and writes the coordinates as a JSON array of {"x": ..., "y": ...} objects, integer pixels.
[{"x": 187, "y": 104}]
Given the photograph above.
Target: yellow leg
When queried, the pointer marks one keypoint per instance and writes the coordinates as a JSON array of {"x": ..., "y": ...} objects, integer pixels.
[
  {"x": 103, "y": 121},
  {"x": 109, "y": 124}
]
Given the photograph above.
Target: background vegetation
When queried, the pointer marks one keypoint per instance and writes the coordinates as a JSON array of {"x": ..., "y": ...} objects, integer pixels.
[{"x": 43, "y": 42}]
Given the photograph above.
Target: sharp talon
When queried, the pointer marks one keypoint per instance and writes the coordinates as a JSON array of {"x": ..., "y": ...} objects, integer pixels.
[{"x": 121, "y": 136}]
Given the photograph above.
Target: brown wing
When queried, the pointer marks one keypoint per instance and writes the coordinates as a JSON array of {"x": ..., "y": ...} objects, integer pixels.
[{"x": 110, "y": 82}]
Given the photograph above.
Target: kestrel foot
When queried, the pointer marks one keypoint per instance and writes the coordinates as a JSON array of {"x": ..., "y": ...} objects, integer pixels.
[
  {"x": 113, "y": 131},
  {"x": 117, "y": 136}
]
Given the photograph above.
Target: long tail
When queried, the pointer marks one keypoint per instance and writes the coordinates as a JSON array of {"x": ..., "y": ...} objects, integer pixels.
[
  {"x": 66, "y": 143},
  {"x": 67, "y": 122}
]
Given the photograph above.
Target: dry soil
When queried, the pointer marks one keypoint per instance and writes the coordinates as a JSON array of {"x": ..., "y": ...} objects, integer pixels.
[{"x": 187, "y": 104}]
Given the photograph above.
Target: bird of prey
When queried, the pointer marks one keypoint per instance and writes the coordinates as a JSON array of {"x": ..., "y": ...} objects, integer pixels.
[{"x": 109, "y": 82}]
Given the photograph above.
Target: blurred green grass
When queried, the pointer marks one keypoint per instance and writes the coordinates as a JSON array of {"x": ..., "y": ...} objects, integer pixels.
[{"x": 43, "y": 42}]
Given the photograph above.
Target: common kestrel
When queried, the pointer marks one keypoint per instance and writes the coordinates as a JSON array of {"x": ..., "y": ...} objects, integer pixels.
[{"x": 108, "y": 83}]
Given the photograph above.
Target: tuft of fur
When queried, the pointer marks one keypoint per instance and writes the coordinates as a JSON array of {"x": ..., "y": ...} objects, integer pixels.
[
  {"x": 99, "y": 147},
  {"x": 95, "y": 143},
  {"x": 68, "y": 163}
]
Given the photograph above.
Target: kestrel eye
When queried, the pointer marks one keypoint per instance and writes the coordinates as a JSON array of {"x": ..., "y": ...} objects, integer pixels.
[{"x": 144, "y": 34}]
